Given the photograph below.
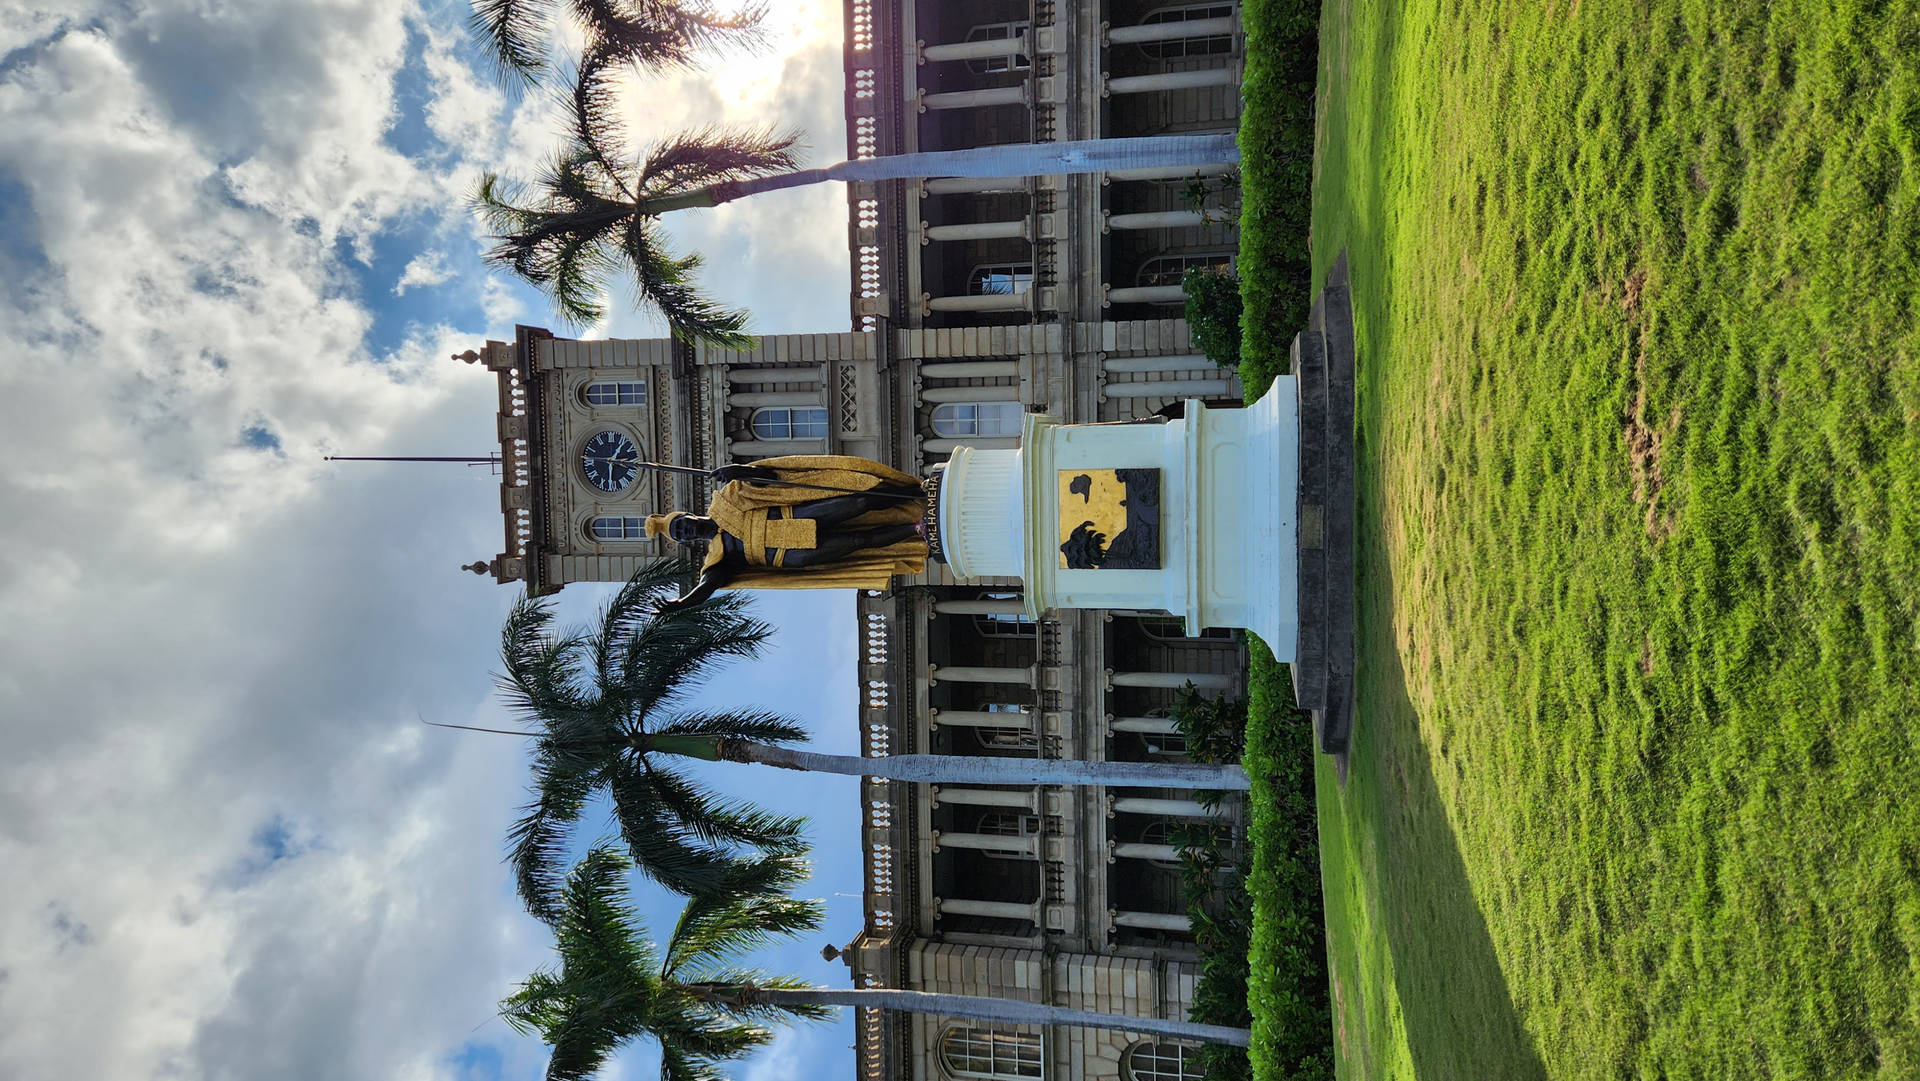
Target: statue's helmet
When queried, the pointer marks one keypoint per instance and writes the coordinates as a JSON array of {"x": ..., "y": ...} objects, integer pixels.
[{"x": 659, "y": 524}]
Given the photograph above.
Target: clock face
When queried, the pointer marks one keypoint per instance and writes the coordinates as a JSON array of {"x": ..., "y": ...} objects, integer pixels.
[{"x": 609, "y": 461}]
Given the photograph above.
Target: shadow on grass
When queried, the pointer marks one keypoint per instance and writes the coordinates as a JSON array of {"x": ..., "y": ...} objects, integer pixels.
[{"x": 1459, "y": 1018}]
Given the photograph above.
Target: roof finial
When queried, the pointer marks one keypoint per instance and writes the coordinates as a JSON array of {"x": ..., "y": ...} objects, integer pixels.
[
  {"x": 478, "y": 566},
  {"x": 469, "y": 356}
]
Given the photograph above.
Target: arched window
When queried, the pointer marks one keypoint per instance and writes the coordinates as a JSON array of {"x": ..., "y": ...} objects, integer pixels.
[
  {"x": 614, "y": 527},
  {"x": 1172, "y": 269},
  {"x": 998, "y": 32},
  {"x": 615, "y": 392},
  {"x": 1212, "y": 45},
  {"x": 1159, "y": 832},
  {"x": 995, "y": 1054},
  {"x": 790, "y": 422},
  {"x": 957, "y": 420},
  {"x": 1150, "y": 1061},
  {"x": 1000, "y": 279}
]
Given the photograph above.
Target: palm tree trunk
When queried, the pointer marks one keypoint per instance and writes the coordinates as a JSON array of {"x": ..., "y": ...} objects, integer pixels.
[
  {"x": 981, "y": 769},
  {"x": 1012, "y": 159},
  {"x": 1004, "y": 1011}
]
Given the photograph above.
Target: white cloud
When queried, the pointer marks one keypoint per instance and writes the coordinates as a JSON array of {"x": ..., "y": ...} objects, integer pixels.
[
  {"x": 427, "y": 268},
  {"x": 207, "y": 641}
]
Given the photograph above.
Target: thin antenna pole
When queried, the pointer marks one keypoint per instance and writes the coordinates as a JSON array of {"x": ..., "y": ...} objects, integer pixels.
[{"x": 490, "y": 460}]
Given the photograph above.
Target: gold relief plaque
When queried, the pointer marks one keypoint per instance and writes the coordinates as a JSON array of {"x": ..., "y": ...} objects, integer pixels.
[{"x": 1109, "y": 519}]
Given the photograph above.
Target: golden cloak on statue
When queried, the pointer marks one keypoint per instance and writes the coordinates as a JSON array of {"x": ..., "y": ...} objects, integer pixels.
[{"x": 760, "y": 517}]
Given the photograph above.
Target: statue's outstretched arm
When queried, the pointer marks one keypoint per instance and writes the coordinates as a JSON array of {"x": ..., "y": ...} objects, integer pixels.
[
  {"x": 715, "y": 577},
  {"x": 752, "y": 474}
]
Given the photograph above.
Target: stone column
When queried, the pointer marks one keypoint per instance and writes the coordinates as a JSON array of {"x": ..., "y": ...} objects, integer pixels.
[
  {"x": 1184, "y": 363},
  {"x": 1012, "y": 606},
  {"x": 1140, "y": 850},
  {"x": 1172, "y": 31},
  {"x": 991, "y": 49},
  {"x": 976, "y": 99},
  {"x": 774, "y": 448},
  {"x": 756, "y": 398},
  {"x": 1146, "y": 294},
  {"x": 1159, "y": 219},
  {"x": 1002, "y": 393},
  {"x": 1171, "y": 80},
  {"x": 1172, "y": 173},
  {"x": 1158, "y": 726},
  {"x": 1005, "y": 910},
  {"x": 979, "y": 230},
  {"x": 990, "y": 302},
  {"x": 990, "y": 442},
  {"x": 812, "y": 374},
  {"x": 984, "y": 797},
  {"x": 1169, "y": 388},
  {"x": 965, "y": 719},
  {"x": 1203, "y": 681},
  {"x": 972, "y": 369},
  {"x": 1022, "y": 677},
  {"x": 1152, "y": 921},
  {"x": 1171, "y": 808},
  {"x": 975, "y": 185},
  {"x": 1004, "y": 843}
]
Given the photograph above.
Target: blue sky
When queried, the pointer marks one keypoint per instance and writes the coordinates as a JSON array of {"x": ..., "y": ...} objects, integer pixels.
[{"x": 229, "y": 246}]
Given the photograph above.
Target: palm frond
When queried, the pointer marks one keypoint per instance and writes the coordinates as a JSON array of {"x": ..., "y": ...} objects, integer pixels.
[
  {"x": 726, "y": 983},
  {"x": 537, "y": 841},
  {"x": 543, "y": 678},
  {"x": 756, "y": 726},
  {"x": 668, "y": 655},
  {"x": 716, "y": 155},
  {"x": 715, "y": 929},
  {"x": 667, "y": 848},
  {"x": 724, "y": 823},
  {"x": 668, "y": 282},
  {"x": 512, "y": 33},
  {"x": 591, "y": 101}
]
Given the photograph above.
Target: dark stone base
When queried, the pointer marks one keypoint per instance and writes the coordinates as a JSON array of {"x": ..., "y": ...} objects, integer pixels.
[{"x": 1323, "y": 363}]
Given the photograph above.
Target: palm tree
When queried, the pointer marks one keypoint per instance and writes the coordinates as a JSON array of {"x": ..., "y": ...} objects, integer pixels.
[
  {"x": 643, "y": 33},
  {"x": 614, "y": 986},
  {"x": 592, "y": 213},
  {"x": 606, "y": 712}
]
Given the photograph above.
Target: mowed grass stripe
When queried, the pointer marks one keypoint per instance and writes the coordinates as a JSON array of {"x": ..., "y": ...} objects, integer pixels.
[{"x": 1635, "y": 790}]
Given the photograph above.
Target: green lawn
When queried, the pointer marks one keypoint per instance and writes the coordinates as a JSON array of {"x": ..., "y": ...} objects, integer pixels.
[{"x": 1635, "y": 789}]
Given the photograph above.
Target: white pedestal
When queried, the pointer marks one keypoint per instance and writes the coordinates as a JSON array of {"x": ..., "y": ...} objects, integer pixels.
[{"x": 1227, "y": 532}]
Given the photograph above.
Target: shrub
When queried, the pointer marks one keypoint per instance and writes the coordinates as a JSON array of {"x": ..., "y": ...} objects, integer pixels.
[{"x": 1213, "y": 314}]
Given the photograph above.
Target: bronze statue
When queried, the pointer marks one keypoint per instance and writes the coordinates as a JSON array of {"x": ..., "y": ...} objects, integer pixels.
[{"x": 803, "y": 522}]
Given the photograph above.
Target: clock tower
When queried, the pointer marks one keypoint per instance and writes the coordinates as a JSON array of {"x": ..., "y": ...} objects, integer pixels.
[{"x": 576, "y": 418}]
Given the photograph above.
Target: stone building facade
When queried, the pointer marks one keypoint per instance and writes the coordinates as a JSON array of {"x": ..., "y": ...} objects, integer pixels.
[{"x": 972, "y": 301}]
